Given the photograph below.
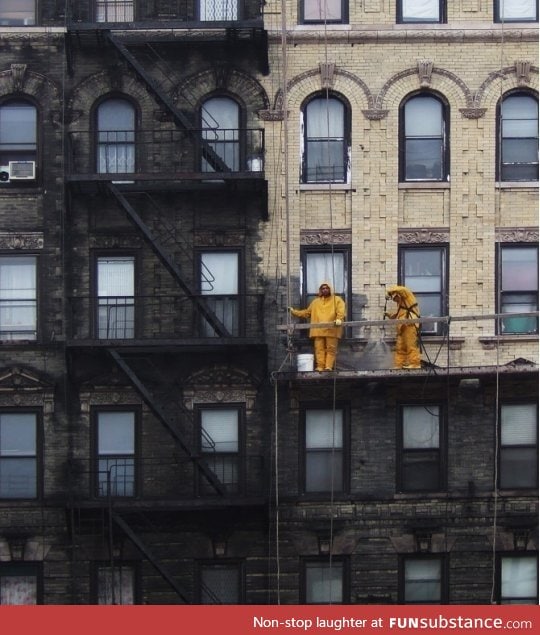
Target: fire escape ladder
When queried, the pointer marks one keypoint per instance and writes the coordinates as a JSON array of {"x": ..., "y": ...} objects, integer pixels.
[
  {"x": 169, "y": 421},
  {"x": 147, "y": 553},
  {"x": 213, "y": 159},
  {"x": 169, "y": 263}
]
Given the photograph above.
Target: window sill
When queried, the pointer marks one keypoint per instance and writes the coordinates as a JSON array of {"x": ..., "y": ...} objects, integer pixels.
[
  {"x": 424, "y": 185},
  {"x": 516, "y": 185},
  {"x": 491, "y": 340},
  {"x": 325, "y": 187},
  {"x": 321, "y": 26},
  {"x": 419, "y": 495}
]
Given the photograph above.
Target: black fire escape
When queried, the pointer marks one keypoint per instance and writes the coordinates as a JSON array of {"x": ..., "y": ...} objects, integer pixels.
[{"x": 136, "y": 39}]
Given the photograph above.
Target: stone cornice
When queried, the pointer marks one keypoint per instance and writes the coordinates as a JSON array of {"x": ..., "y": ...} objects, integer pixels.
[
  {"x": 391, "y": 34},
  {"x": 424, "y": 235},
  {"x": 21, "y": 240},
  {"x": 516, "y": 234}
]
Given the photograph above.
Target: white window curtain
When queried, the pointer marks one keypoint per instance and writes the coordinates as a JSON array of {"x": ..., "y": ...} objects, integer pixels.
[
  {"x": 17, "y": 12},
  {"x": 116, "y": 301},
  {"x": 218, "y": 10},
  {"x": 322, "y": 10},
  {"x": 18, "y": 306},
  {"x": 420, "y": 10},
  {"x": 324, "y": 429},
  {"x": 326, "y": 267},
  {"x": 420, "y": 427},
  {"x": 114, "y": 10},
  {"x": 517, "y": 9},
  {"x": 219, "y": 430}
]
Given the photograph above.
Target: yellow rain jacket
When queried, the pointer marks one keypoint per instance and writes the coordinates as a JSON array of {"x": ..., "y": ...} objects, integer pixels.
[{"x": 323, "y": 309}]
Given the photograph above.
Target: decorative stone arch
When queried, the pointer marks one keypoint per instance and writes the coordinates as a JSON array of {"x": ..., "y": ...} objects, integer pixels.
[
  {"x": 219, "y": 384},
  {"x": 327, "y": 76},
  {"x": 18, "y": 81},
  {"x": 425, "y": 75},
  {"x": 88, "y": 92},
  {"x": 519, "y": 76},
  {"x": 190, "y": 93}
]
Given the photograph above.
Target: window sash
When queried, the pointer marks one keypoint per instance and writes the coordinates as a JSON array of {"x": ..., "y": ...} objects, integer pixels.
[
  {"x": 422, "y": 581},
  {"x": 325, "y": 145},
  {"x": 221, "y": 122},
  {"x": 220, "y": 282},
  {"x": 324, "y": 583},
  {"x": 17, "y": 13},
  {"x": 323, "y": 11},
  {"x": 18, "y": 455},
  {"x": 18, "y": 297},
  {"x": 220, "y": 584},
  {"x": 114, "y": 10},
  {"x": 323, "y": 446},
  {"x": 420, "y": 11},
  {"x": 516, "y": 10},
  {"x": 518, "y": 288},
  {"x": 117, "y": 583},
  {"x": 519, "y": 580},
  {"x": 116, "y": 301},
  {"x": 116, "y": 453}
]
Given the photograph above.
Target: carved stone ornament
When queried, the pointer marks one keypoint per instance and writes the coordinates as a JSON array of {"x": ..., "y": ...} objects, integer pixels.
[
  {"x": 21, "y": 387},
  {"x": 325, "y": 237},
  {"x": 18, "y": 72},
  {"x": 218, "y": 239},
  {"x": 327, "y": 74},
  {"x": 271, "y": 115},
  {"x": 523, "y": 72},
  {"x": 473, "y": 113},
  {"x": 424, "y": 235},
  {"x": 516, "y": 234},
  {"x": 26, "y": 240},
  {"x": 375, "y": 114},
  {"x": 425, "y": 69}
]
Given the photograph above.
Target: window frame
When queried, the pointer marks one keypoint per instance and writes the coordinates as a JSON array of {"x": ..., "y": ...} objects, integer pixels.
[
  {"x": 37, "y": 268},
  {"x": 514, "y": 555},
  {"x": 344, "y": 19},
  {"x": 38, "y": 457},
  {"x": 32, "y": 21},
  {"x": 97, "y": 256},
  {"x": 240, "y": 142},
  {"x": 445, "y": 138},
  {"x": 499, "y": 165},
  {"x": 239, "y": 328},
  {"x": 345, "y": 450},
  {"x": 98, "y": 144},
  {"x": 497, "y": 18},
  {"x": 443, "y": 580},
  {"x": 95, "y": 413},
  {"x": 345, "y": 139},
  {"x": 401, "y": 462},
  {"x": 24, "y": 569},
  {"x": 325, "y": 562},
  {"x": 33, "y": 154},
  {"x": 501, "y": 448},
  {"x": 401, "y": 20},
  {"x": 202, "y": 486},
  {"x": 118, "y": 564},
  {"x": 433, "y": 328},
  {"x": 501, "y": 328},
  {"x": 229, "y": 564}
]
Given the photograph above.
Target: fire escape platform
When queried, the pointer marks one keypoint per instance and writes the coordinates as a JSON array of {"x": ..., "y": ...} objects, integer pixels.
[{"x": 194, "y": 345}]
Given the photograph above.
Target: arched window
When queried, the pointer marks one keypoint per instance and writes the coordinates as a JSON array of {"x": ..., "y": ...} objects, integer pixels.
[
  {"x": 220, "y": 123},
  {"x": 424, "y": 139},
  {"x": 326, "y": 133},
  {"x": 518, "y": 138},
  {"x": 18, "y": 140},
  {"x": 116, "y": 136}
]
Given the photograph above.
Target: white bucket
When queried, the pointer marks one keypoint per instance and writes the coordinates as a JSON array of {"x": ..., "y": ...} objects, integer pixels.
[{"x": 304, "y": 362}]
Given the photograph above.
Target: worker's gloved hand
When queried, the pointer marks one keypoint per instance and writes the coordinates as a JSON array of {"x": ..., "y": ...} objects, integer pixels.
[
  {"x": 337, "y": 322},
  {"x": 290, "y": 309}
]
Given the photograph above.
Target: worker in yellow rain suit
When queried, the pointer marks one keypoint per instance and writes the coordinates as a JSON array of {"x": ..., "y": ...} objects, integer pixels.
[
  {"x": 327, "y": 307},
  {"x": 407, "y": 353}
]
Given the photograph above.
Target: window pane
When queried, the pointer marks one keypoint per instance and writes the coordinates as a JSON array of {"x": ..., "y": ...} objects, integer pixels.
[
  {"x": 420, "y": 10},
  {"x": 422, "y": 581},
  {"x": 221, "y": 122},
  {"x": 423, "y": 117},
  {"x": 114, "y": 10},
  {"x": 519, "y": 269},
  {"x": 324, "y": 583},
  {"x": 325, "y": 118},
  {"x": 18, "y": 478},
  {"x": 116, "y": 477},
  {"x": 517, "y": 9},
  {"x": 116, "y": 136},
  {"x": 324, "y": 471},
  {"x": 325, "y": 159},
  {"x": 18, "y": 126},
  {"x": 322, "y": 10},
  {"x": 220, "y": 585},
  {"x": 324, "y": 267},
  {"x": 116, "y": 432},
  {"x": 123, "y": 591},
  {"x": 420, "y": 471},
  {"x": 219, "y": 273},
  {"x": 518, "y": 424},
  {"x": 219, "y": 431},
  {"x": 324, "y": 429},
  {"x": 421, "y": 426},
  {"x": 519, "y": 467},
  {"x": 519, "y": 577},
  {"x": 18, "y": 469},
  {"x": 18, "y": 589},
  {"x": 17, "y": 12}
]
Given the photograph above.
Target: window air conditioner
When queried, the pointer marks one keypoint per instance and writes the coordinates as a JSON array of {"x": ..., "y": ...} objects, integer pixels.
[
  {"x": 22, "y": 170},
  {"x": 4, "y": 174}
]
